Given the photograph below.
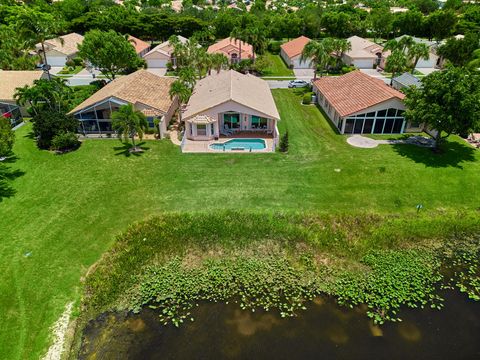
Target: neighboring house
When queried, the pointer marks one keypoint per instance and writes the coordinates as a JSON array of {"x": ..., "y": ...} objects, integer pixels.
[
  {"x": 230, "y": 103},
  {"x": 291, "y": 52},
  {"x": 9, "y": 82},
  {"x": 357, "y": 103},
  {"x": 141, "y": 47},
  {"x": 147, "y": 92},
  {"x": 235, "y": 50},
  {"x": 161, "y": 54},
  {"x": 434, "y": 61},
  {"x": 61, "y": 49},
  {"x": 405, "y": 80},
  {"x": 364, "y": 54}
]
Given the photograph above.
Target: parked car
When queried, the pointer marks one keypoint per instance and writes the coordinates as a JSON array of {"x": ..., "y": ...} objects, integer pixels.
[{"x": 297, "y": 83}]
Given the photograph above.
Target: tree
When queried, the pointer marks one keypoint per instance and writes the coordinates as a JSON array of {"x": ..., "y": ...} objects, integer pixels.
[
  {"x": 381, "y": 20},
  {"x": 45, "y": 95},
  {"x": 48, "y": 124},
  {"x": 460, "y": 51},
  {"x": 14, "y": 52},
  {"x": 7, "y": 136},
  {"x": 449, "y": 102},
  {"x": 339, "y": 47},
  {"x": 416, "y": 52},
  {"x": 37, "y": 27},
  {"x": 219, "y": 61},
  {"x": 255, "y": 36},
  {"x": 440, "y": 24},
  {"x": 318, "y": 53},
  {"x": 182, "y": 92},
  {"x": 283, "y": 146},
  {"x": 128, "y": 122},
  {"x": 396, "y": 63},
  {"x": 110, "y": 52}
]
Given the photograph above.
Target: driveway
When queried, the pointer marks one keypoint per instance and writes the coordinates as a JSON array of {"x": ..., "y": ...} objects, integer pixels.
[
  {"x": 426, "y": 71},
  {"x": 158, "y": 71},
  {"x": 377, "y": 75},
  {"x": 278, "y": 84},
  {"x": 303, "y": 74}
]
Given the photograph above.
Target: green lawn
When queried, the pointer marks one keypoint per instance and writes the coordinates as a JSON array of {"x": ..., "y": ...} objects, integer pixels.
[
  {"x": 277, "y": 67},
  {"x": 65, "y": 210}
]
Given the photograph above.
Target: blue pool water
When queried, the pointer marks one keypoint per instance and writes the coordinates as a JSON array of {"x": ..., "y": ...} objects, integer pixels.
[{"x": 240, "y": 144}]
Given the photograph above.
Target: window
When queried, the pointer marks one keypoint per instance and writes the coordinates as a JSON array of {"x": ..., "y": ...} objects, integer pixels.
[
  {"x": 259, "y": 122},
  {"x": 150, "y": 121},
  {"x": 231, "y": 121},
  {"x": 358, "y": 126},
  {"x": 368, "y": 126},
  {"x": 201, "y": 129},
  {"x": 392, "y": 112},
  {"x": 378, "y": 129},
  {"x": 349, "y": 126}
]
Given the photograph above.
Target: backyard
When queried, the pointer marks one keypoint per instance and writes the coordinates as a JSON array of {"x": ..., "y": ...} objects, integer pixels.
[
  {"x": 58, "y": 214},
  {"x": 277, "y": 66}
]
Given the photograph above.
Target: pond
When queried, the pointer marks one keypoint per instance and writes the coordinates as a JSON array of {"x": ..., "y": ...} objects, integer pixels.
[{"x": 324, "y": 331}]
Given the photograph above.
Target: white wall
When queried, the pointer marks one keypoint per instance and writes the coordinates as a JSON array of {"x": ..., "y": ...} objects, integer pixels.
[
  {"x": 285, "y": 58},
  {"x": 298, "y": 64}
]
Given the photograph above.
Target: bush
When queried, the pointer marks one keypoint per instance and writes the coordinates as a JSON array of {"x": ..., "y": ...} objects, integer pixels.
[
  {"x": 48, "y": 124},
  {"x": 307, "y": 98},
  {"x": 7, "y": 136},
  {"x": 65, "y": 141},
  {"x": 347, "y": 69},
  {"x": 70, "y": 63},
  {"x": 170, "y": 66},
  {"x": 77, "y": 61},
  {"x": 274, "y": 47},
  {"x": 284, "y": 142}
]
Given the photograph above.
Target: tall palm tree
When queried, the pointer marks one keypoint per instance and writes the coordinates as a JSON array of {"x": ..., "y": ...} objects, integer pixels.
[
  {"x": 218, "y": 61},
  {"x": 340, "y": 46},
  {"x": 318, "y": 53},
  {"x": 255, "y": 35},
  {"x": 182, "y": 92},
  {"x": 128, "y": 122},
  {"x": 396, "y": 63},
  {"x": 416, "y": 52},
  {"x": 188, "y": 77},
  {"x": 238, "y": 34},
  {"x": 38, "y": 27}
]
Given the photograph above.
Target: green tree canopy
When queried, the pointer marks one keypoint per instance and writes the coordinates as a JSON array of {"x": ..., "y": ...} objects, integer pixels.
[
  {"x": 110, "y": 52},
  {"x": 449, "y": 102},
  {"x": 128, "y": 123}
]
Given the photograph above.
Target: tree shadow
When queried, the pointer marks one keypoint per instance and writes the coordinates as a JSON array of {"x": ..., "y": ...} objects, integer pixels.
[
  {"x": 452, "y": 154},
  {"x": 7, "y": 175},
  {"x": 124, "y": 149},
  {"x": 30, "y": 135}
]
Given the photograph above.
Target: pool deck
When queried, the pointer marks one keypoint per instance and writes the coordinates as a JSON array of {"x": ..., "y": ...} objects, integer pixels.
[{"x": 197, "y": 146}]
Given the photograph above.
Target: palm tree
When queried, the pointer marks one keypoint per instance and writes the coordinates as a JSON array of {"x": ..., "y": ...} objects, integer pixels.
[
  {"x": 416, "y": 52},
  {"x": 218, "y": 61},
  {"x": 188, "y": 77},
  {"x": 38, "y": 27},
  {"x": 255, "y": 35},
  {"x": 238, "y": 34},
  {"x": 182, "y": 92},
  {"x": 340, "y": 46},
  {"x": 396, "y": 63},
  {"x": 128, "y": 122},
  {"x": 318, "y": 53},
  {"x": 402, "y": 44}
]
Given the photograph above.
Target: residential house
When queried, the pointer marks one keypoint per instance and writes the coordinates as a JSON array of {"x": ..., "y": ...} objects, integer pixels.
[
  {"x": 141, "y": 47},
  {"x": 230, "y": 104},
  {"x": 405, "y": 80},
  {"x": 357, "y": 103},
  {"x": 434, "y": 60},
  {"x": 60, "y": 50},
  {"x": 235, "y": 50},
  {"x": 161, "y": 54},
  {"x": 291, "y": 53},
  {"x": 10, "y": 81},
  {"x": 147, "y": 92},
  {"x": 364, "y": 54}
]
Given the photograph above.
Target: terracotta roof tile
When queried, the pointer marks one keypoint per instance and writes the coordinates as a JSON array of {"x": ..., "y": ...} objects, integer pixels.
[
  {"x": 355, "y": 91},
  {"x": 140, "y": 87},
  {"x": 138, "y": 44},
  {"x": 295, "y": 46},
  {"x": 227, "y": 45}
]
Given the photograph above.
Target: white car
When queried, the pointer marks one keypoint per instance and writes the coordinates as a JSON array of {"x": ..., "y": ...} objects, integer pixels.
[{"x": 297, "y": 83}]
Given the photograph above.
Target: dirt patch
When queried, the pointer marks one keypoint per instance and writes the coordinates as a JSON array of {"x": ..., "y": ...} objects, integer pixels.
[{"x": 59, "y": 330}]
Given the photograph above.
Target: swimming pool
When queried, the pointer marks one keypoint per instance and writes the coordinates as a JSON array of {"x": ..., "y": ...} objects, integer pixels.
[{"x": 240, "y": 145}]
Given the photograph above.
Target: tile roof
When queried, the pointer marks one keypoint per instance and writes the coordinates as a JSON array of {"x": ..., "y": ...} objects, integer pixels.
[
  {"x": 69, "y": 46},
  {"x": 407, "y": 79},
  {"x": 355, "y": 91},
  {"x": 247, "y": 90},
  {"x": 138, "y": 44},
  {"x": 295, "y": 46},
  {"x": 363, "y": 48},
  {"x": 165, "y": 47},
  {"x": 11, "y": 80},
  {"x": 228, "y": 45},
  {"x": 140, "y": 87}
]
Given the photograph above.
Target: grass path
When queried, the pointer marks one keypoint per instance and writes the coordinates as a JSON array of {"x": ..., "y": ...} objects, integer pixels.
[{"x": 67, "y": 209}]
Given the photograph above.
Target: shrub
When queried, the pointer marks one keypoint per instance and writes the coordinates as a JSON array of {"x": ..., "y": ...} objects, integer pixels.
[
  {"x": 7, "y": 136},
  {"x": 48, "y": 124},
  {"x": 347, "y": 69},
  {"x": 307, "y": 98},
  {"x": 70, "y": 63},
  {"x": 65, "y": 141},
  {"x": 170, "y": 66},
  {"x": 284, "y": 142},
  {"x": 77, "y": 61},
  {"x": 274, "y": 47}
]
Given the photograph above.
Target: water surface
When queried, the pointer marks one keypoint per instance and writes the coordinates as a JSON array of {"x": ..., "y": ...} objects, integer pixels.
[{"x": 324, "y": 331}]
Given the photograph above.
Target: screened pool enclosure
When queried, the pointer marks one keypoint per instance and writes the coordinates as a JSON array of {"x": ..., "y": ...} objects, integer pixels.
[{"x": 387, "y": 121}]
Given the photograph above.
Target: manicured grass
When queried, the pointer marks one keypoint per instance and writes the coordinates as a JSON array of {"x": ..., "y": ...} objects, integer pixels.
[
  {"x": 277, "y": 66},
  {"x": 65, "y": 210},
  {"x": 71, "y": 71}
]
